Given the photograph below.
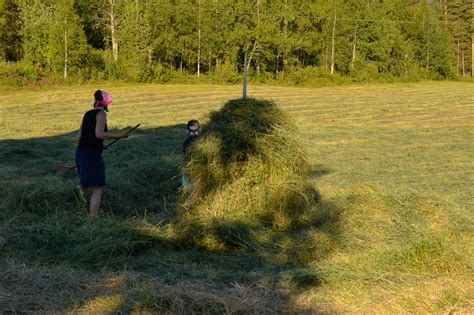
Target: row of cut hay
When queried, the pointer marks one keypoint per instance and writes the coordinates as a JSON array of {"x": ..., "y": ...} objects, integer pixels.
[
  {"x": 42, "y": 289},
  {"x": 248, "y": 175}
]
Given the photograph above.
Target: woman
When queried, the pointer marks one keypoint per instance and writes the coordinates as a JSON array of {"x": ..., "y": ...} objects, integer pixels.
[{"x": 90, "y": 165}]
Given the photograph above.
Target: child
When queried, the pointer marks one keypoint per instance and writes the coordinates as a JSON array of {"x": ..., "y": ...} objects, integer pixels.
[
  {"x": 90, "y": 165},
  {"x": 193, "y": 130}
]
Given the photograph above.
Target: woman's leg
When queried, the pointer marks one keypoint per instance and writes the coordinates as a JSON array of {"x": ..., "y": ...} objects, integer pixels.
[{"x": 95, "y": 200}]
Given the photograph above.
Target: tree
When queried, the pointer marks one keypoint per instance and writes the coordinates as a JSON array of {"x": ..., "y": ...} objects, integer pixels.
[
  {"x": 91, "y": 14},
  {"x": 455, "y": 17},
  {"x": 10, "y": 24},
  {"x": 135, "y": 37},
  {"x": 143, "y": 39},
  {"x": 67, "y": 45},
  {"x": 434, "y": 41},
  {"x": 36, "y": 19}
]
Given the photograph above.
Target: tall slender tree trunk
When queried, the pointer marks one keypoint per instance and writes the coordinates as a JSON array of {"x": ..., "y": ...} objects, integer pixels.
[
  {"x": 405, "y": 65},
  {"x": 426, "y": 25},
  {"x": 458, "y": 64},
  {"x": 199, "y": 39},
  {"x": 249, "y": 59},
  {"x": 333, "y": 41},
  {"x": 462, "y": 63},
  {"x": 285, "y": 36},
  {"x": 257, "y": 59},
  {"x": 472, "y": 39},
  {"x": 277, "y": 64},
  {"x": 244, "y": 83},
  {"x": 445, "y": 7},
  {"x": 326, "y": 56},
  {"x": 112, "y": 30},
  {"x": 354, "y": 44},
  {"x": 427, "y": 57},
  {"x": 209, "y": 60},
  {"x": 65, "y": 49}
]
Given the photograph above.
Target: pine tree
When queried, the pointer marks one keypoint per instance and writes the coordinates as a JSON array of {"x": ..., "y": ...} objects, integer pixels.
[{"x": 455, "y": 17}]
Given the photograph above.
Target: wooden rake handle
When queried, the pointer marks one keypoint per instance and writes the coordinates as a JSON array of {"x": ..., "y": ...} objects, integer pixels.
[
  {"x": 60, "y": 166},
  {"x": 128, "y": 132}
]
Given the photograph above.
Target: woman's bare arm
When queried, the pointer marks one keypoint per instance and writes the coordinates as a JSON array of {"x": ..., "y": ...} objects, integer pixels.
[
  {"x": 100, "y": 129},
  {"x": 79, "y": 134}
]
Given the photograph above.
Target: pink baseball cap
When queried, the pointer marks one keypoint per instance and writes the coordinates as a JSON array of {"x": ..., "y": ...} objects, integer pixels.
[{"x": 101, "y": 98}]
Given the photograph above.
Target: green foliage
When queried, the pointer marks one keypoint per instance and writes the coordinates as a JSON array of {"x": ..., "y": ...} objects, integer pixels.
[
  {"x": 226, "y": 72},
  {"x": 312, "y": 76},
  {"x": 94, "y": 67},
  {"x": 364, "y": 71},
  {"x": 37, "y": 18},
  {"x": 10, "y": 24},
  {"x": 53, "y": 37},
  {"x": 140, "y": 39},
  {"x": 19, "y": 74},
  {"x": 67, "y": 46}
]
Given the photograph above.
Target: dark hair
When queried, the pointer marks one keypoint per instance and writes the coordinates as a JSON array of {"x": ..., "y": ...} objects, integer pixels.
[
  {"x": 193, "y": 122},
  {"x": 97, "y": 98}
]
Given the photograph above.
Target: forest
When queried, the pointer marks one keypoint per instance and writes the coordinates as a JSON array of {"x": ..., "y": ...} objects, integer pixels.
[{"x": 304, "y": 41}]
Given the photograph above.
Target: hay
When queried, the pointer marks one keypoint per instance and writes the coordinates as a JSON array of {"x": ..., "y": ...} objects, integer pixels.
[
  {"x": 248, "y": 173},
  {"x": 201, "y": 297},
  {"x": 30, "y": 288},
  {"x": 36, "y": 289}
]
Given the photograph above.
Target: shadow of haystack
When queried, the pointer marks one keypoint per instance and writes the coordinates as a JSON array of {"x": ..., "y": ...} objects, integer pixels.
[{"x": 250, "y": 190}]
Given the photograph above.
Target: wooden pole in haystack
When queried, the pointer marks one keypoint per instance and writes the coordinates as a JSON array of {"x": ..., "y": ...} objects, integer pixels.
[{"x": 244, "y": 89}]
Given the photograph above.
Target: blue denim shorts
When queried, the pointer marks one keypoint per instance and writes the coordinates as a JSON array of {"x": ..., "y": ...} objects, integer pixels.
[{"x": 90, "y": 167}]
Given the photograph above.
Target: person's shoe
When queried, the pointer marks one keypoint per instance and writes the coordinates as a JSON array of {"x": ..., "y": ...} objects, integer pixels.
[{"x": 79, "y": 195}]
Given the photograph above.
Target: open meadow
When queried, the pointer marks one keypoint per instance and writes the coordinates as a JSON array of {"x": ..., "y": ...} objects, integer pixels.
[{"x": 393, "y": 164}]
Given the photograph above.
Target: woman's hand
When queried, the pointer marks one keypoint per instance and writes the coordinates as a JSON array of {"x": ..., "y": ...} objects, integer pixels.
[{"x": 123, "y": 135}]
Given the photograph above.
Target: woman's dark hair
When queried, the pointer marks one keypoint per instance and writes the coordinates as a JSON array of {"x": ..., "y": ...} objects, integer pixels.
[{"x": 97, "y": 98}]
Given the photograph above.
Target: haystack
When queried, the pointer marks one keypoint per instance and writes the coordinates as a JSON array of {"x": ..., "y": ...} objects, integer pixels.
[{"x": 248, "y": 175}]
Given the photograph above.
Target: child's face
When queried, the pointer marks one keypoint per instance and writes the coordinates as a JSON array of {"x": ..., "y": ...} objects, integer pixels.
[{"x": 193, "y": 130}]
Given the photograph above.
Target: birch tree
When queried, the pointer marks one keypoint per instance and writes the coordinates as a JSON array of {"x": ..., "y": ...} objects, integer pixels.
[{"x": 67, "y": 46}]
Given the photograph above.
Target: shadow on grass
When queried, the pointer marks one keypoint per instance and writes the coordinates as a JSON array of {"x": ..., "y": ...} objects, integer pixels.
[
  {"x": 319, "y": 171},
  {"x": 41, "y": 224},
  {"x": 142, "y": 172}
]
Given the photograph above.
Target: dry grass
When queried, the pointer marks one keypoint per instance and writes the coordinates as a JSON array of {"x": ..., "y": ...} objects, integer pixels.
[
  {"x": 393, "y": 164},
  {"x": 248, "y": 174},
  {"x": 68, "y": 290}
]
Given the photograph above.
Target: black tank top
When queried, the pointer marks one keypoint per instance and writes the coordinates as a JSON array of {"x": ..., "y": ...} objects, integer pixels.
[{"x": 88, "y": 139}]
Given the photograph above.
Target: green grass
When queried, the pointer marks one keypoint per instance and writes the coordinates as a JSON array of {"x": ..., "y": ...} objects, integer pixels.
[{"x": 393, "y": 232}]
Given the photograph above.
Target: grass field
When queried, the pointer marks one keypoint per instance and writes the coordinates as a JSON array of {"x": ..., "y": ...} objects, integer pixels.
[{"x": 393, "y": 163}]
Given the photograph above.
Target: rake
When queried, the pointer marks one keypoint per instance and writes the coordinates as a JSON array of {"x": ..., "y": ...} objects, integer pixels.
[{"x": 60, "y": 166}]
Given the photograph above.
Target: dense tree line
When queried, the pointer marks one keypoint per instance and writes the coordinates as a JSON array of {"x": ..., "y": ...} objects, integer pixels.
[{"x": 146, "y": 40}]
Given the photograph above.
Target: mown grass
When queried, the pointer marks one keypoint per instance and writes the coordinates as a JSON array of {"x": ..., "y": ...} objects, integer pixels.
[{"x": 393, "y": 231}]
